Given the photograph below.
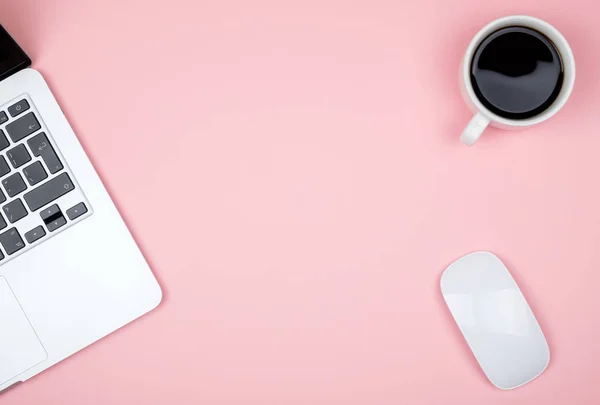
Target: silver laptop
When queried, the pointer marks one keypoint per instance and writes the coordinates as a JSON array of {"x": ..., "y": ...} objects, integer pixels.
[{"x": 70, "y": 272}]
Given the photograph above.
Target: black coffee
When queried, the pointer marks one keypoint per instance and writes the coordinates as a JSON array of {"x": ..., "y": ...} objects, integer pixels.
[{"x": 517, "y": 72}]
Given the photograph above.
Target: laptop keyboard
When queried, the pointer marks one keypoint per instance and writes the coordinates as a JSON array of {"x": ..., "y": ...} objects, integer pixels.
[{"x": 38, "y": 195}]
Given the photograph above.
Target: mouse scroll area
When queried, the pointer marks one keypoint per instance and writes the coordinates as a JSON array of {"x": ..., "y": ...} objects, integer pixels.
[
  {"x": 20, "y": 348},
  {"x": 495, "y": 320}
]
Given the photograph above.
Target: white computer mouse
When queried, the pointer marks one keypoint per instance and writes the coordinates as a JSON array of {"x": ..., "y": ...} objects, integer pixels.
[{"x": 495, "y": 320}]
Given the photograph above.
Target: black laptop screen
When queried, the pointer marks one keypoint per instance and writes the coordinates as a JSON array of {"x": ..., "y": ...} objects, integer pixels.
[{"x": 12, "y": 57}]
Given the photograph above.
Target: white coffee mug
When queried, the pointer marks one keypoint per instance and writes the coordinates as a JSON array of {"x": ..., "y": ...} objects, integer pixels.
[{"x": 483, "y": 116}]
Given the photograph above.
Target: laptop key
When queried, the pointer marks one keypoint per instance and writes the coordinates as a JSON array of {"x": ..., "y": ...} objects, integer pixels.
[
  {"x": 76, "y": 211},
  {"x": 35, "y": 234},
  {"x": 48, "y": 192},
  {"x": 4, "y": 168},
  {"x": 3, "y": 141},
  {"x": 24, "y": 126},
  {"x": 14, "y": 210},
  {"x": 3, "y": 117},
  {"x": 18, "y": 108},
  {"x": 11, "y": 241},
  {"x": 40, "y": 146},
  {"x": 14, "y": 184},
  {"x": 34, "y": 173},
  {"x": 57, "y": 223},
  {"x": 50, "y": 213},
  {"x": 18, "y": 156},
  {"x": 53, "y": 217}
]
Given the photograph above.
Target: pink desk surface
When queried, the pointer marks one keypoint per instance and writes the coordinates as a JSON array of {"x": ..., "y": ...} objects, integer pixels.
[{"x": 293, "y": 174}]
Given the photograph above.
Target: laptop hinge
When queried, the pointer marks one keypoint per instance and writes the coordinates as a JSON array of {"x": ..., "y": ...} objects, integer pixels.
[{"x": 12, "y": 56}]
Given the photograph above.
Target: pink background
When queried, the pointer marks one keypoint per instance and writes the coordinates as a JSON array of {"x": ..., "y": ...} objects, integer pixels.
[{"x": 293, "y": 174}]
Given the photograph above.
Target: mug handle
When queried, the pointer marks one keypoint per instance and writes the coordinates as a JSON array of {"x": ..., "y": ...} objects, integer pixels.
[{"x": 474, "y": 129}]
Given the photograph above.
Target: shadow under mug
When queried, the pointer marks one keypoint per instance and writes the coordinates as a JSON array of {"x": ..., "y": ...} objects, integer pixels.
[{"x": 483, "y": 116}]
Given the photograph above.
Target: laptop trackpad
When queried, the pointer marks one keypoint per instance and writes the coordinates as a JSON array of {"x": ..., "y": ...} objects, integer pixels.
[{"x": 20, "y": 348}]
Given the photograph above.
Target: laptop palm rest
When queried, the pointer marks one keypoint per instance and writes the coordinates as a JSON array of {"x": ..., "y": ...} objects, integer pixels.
[{"x": 20, "y": 348}]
